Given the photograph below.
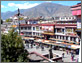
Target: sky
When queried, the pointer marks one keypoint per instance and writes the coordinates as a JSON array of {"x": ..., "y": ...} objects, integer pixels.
[{"x": 14, "y": 5}]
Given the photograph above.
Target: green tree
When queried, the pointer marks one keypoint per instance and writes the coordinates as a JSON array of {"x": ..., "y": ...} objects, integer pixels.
[
  {"x": 12, "y": 49},
  {"x": 21, "y": 18},
  {"x": 8, "y": 20}
]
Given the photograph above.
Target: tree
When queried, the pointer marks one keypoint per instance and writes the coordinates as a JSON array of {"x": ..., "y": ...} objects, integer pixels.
[
  {"x": 8, "y": 20},
  {"x": 12, "y": 49},
  {"x": 21, "y": 18}
]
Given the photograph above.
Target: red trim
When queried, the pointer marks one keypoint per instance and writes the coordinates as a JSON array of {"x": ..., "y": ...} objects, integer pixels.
[
  {"x": 76, "y": 12},
  {"x": 72, "y": 26},
  {"x": 65, "y": 24},
  {"x": 48, "y": 24},
  {"x": 29, "y": 25}
]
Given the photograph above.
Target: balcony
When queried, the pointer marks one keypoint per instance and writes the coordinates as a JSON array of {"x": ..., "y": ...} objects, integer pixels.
[
  {"x": 59, "y": 33},
  {"x": 26, "y": 30}
]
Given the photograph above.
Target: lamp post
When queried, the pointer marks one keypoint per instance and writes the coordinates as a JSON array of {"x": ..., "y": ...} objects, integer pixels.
[{"x": 19, "y": 19}]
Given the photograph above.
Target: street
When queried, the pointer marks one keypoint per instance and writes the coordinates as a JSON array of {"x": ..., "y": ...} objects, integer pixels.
[{"x": 67, "y": 58}]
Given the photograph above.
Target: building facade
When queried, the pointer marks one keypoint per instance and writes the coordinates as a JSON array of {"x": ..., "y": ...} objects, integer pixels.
[
  {"x": 76, "y": 11},
  {"x": 31, "y": 29}
]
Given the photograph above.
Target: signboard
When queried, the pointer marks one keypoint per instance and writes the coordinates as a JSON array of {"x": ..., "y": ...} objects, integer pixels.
[
  {"x": 78, "y": 25},
  {"x": 69, "y": 46},
  {"x": 48, "y": 28}
]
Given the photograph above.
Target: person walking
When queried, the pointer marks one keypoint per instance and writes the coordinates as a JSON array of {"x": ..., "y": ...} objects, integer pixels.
[
  {"x": 72, "y": 57},
  {"x": 71, "y": 53},
  {"x": 67, "y": 52},
  {"x": 37, "y": 46},
  {"x": 50, "y": 53},
  {"x": 42, "y": 47},
  {"x": 77, "y": 60},
  {"x": 27, "y": 43},
  {"x": 31, "y": 44},
  {"x": 63, "y": 55}
]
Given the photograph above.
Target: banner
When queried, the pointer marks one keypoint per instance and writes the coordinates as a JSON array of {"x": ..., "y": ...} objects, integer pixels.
[{"x": 48, "y": 28}]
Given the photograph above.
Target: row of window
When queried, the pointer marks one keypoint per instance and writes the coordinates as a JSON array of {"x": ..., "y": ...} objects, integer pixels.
[
  {"x": 25, "y": 28},
  {"x": 59, "y": 30},
  {"x": 30, "y": 28},
  {"x": 63, "y": 38}
]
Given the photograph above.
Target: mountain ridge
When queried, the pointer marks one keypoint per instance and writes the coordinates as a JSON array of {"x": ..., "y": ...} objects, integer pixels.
[{"x": 43, "y": 9}]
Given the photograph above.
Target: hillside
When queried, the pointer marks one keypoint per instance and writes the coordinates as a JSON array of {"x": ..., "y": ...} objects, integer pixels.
[{"x": 44, "y": 9}]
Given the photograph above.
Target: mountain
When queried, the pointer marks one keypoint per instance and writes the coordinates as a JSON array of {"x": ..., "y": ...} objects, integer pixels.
[{"x": 43, "y": 9}]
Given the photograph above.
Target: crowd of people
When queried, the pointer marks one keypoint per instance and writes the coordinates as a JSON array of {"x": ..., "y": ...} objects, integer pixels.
[
  {"x": 72, "y": 55},
  {"x": 31, "y": 43}
]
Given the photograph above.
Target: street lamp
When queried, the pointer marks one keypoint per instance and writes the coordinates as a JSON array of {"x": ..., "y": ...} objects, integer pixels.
[{"x": 19, "y": 19}]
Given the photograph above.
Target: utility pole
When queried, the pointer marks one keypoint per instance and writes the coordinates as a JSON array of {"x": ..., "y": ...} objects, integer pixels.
[{"x": 19, "y": 19}]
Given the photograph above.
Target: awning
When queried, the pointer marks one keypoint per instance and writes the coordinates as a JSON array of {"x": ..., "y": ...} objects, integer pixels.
[
  {"x": 31, "y": 38},
  {"x": 49, "y": 33},
  {"x": 71, "y": 26},
  {"x": 40, "y": 36},
  {"x": 75, "y": 46},
  {"x": 14, "y": 26},
  {"x": 28, "y": 38},
  {"x": 58, "y": 42},
  {"x": 78, "y": 31},
  {"x": 46, "y": 41}
]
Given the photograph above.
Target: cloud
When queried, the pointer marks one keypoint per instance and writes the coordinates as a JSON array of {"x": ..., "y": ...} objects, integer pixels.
[
  {"x": 60, "y": 3},
  {"x": 2, "y": 6},
  {"x": 23, "y": 6},
  {"x": 48, "y": 1}
]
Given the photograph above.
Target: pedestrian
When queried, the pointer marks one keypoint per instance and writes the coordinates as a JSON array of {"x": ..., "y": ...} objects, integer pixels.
[
  {"x": 72, "y": 57},
  {"x": 32, "y": 44},
  {"x": 67, "y": 51},
  {"x": 63, "y": 55},
  {"x": 37, "y": 46},
  {"x": 71, "y": 52},
  {"x": 42, "y": 47},
  {"x": 27, "y": 43},
  {"x": 50, "y": 53},
  {"x": 77, "y": 60}
]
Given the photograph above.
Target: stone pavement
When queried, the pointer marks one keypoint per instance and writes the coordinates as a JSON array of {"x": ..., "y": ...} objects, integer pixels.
[{"x": 67, "y": 58}]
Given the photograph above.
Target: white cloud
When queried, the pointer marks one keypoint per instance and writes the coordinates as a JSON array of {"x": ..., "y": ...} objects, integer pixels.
[
  {"x": 11, "y": 4},
  {"x": 2, "y": 6},
  {"x": 23, "y": 6},
  {"x": 59, "y": 3},
  {"x": 48, "y": 1}
]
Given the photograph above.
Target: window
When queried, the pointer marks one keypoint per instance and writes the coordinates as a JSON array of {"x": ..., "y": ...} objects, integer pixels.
[
  {"x": 33, "y": 33},
  {"x": 21, "y": 28},
  {"x": 40, "y": 28},
  {"x": 69, "y": 30},
  {"x": 37, "y": 28},
  {"x": 33, "y": 28},
  {"x": 25, "y": 28},
  {"x": 66, "y": 18},
  {"x": 29, "y": 28},
  {"x": 59, "y": 30},
  {"x": 29, "y": 33},
  {"x": 63, "y": 31},
  {"x": 34, "y": 22}
]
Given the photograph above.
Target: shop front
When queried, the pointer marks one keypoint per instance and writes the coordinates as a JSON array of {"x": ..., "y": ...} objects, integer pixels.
[{"x": 48, "y": 31}]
